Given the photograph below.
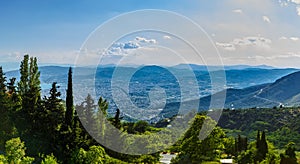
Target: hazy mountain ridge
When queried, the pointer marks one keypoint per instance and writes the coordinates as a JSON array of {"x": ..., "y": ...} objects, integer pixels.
[{"x": 247, "y": 86}]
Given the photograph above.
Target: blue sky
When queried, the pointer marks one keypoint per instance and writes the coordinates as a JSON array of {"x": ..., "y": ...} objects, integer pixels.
[{"x": 245, "y": 32}]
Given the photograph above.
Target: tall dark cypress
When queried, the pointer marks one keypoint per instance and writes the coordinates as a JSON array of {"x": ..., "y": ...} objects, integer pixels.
[
  {"x": 69, "y": 101},
  {"x": 264, "y": 145},
  {"x": 258, "y": 140},
  {"x": 117, "y": 122}
]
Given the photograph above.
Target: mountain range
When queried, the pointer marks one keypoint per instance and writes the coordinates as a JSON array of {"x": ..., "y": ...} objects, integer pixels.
[
  {"x": 283, "y": 92},
  {"x": 246, "y": 86}
]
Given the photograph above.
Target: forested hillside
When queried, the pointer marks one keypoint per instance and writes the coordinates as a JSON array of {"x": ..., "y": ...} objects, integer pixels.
[{"x": 281, "y": 124}]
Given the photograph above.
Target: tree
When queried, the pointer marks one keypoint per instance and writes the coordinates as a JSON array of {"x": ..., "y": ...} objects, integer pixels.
[
  {"x": 264, "y": 145},
  {"x": 7, "y": 128},
  {"x": 258, "y": 140},
  {"x": 103, "y": 106},
  {"x": 15, "y": 151},
  {"x": 69, "y": 101},
  {"x": 117, "y": 121},
  {"x": 12, "y": 92},
  {"x": 23, "y": 85},
  {"x": 87, "y": 112},
  {"x": 54, "y": 110},
  {"x": 289, "y": 157},
  {"x": 194, "y": 150},
  {"x": 51, "y": 118},
  {"x": 2, "y": 83},
  {"x": 241, "y": 144},
  {"x": 29, "y": 89},
  {"x": 49, "y": 159},
  {"x": 261, "y": 146}
]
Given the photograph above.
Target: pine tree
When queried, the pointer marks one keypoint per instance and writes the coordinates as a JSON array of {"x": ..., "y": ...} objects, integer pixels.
[
  {"x": 69, "y": 101},
  {"x": 103, "y": 106},
  {"x": 23, "y": 85},
  {"x": 52, "y": 117},
  {"x": 11, "y": 86},
  {"x": 14, "y": 98},
  {"x": 87, "y": 113},
  {"x": 54, "y": 109},
  {"x": 2, "y": 83},
  {"x": 34, "y": 81},
  {"x": 5, "y": 125},
  {"x": 29, "y": 86}
]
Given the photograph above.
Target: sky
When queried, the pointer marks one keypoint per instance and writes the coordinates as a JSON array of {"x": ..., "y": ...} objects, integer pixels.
[{"x": 230, "y": 32}]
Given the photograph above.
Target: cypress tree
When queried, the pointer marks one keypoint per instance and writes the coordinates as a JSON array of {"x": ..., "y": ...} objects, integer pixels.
[
  {"x": 258, "y": 140},
  {"x": 69, "y": 101},
  {"x": 264, "y": 145},
  {"x": 117, "y": 122}
]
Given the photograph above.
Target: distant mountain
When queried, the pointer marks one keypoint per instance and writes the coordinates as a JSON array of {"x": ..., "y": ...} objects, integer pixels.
[
  {"x": 245, "y": 87},
  {"x": 284, "y": 91},
  {"x": 196, "y": 67}
]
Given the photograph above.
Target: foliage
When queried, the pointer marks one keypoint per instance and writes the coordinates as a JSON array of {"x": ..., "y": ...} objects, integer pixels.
[
  {"x": 195, "y": 150},
  {"x": 49, "y": 159},
  {"x": 282, "y": 124},
  {"x": 69, "y": 101},
  {"x": 15, "y": 152},
  {"x": 289, "y": 157}
]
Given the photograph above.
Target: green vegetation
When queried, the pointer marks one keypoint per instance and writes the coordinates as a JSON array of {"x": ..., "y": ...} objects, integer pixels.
[
  {"x": 281, "y": 124},
  {"x": 47, "y": 130}
]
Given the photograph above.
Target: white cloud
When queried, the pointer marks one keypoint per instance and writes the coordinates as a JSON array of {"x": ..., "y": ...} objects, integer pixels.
[
  {"x": 126, "y": 48},
  {"x": 298, "y": 10},
  {"x": 226, "y": 46},
  {"x": 167, "y": 37},
  {"x": 296, "y": 2},
  {"x": 283, "y": 38},
  {"x": 144, "y": 40},
  {"x": 266, "y": 19},
  {"x": 283, "y": 3},
  {"x": 239, "y": 11},
  {"x": 287, "y": 2},
  {"x": 294, "y": 38},
  {"x": 259, "y": 42},
  {"x": 282, "y": 56}
]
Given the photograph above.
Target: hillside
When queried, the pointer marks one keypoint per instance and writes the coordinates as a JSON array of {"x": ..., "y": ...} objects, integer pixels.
[
  {"x": 281, "y": 124},
  {"x": 284, "y": 91}
]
